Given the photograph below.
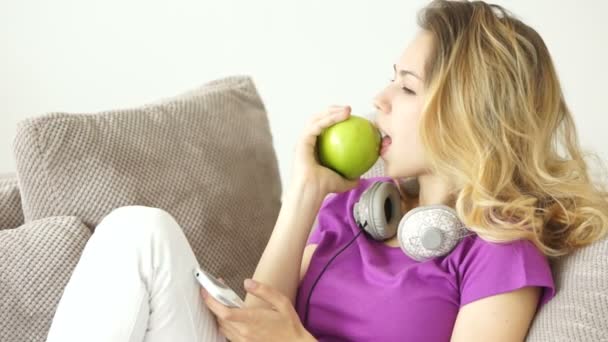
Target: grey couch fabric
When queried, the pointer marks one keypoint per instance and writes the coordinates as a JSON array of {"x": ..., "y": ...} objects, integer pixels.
[
  {"x": 579, "y": 310},
  {"x": 205, "y": 156},
  {"x": 11, "y": 214},
  {"x": 36, "y": 262}
]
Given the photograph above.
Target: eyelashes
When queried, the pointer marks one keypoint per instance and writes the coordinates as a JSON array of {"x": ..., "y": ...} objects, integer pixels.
[
  {"x": 405, "y": 89},
  {"x": 408, "y": 90}
]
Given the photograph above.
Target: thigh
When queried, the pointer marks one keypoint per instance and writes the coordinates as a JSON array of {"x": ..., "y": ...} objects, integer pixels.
[{"x": 134, "y": 282}]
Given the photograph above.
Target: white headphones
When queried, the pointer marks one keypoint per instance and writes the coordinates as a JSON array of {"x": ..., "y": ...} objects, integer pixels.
[{"x": 424, "y": 232}]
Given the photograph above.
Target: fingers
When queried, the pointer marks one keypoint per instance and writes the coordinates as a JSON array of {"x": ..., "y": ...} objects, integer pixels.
[
  {"x": 325, "y": 119},
  {"x": 328, "y": 121},
  {"x": 228, "y": 330},
  {"x": 328, "y": 117},
  {"x": 270, "y": 295},
  {"x": 221, "y": 311},
  {"x": 331, "y": 109}
]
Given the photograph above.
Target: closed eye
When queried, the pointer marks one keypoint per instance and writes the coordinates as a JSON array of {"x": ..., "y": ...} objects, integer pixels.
[
  {"x": 405, "y": 89},
  {"x": 408, "y": 90}
]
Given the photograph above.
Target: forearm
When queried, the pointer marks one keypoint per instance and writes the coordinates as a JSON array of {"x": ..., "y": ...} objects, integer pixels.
[{"x": 279, "y": 265}]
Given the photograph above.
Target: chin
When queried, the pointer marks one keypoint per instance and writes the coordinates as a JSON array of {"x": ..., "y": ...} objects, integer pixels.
[
  {"x": 396, "y": 173},
  {"x": 400, "y": 169}
]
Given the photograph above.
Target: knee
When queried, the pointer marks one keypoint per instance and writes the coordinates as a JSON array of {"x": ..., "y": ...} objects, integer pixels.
[{"x": 137, "y": 220}]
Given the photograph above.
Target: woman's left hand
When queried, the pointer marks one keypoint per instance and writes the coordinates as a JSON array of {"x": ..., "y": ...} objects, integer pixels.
[{"x": 278, "y": 323}]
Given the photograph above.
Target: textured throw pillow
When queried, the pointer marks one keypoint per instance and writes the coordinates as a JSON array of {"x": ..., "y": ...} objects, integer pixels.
[
  {"x": 36, "y": 262},
  {"x": 377, "y": 170},
  {"x": 11, "y": 214},
  {"x": 579, "y": 309},
  {"x": 206, "y": 157}
]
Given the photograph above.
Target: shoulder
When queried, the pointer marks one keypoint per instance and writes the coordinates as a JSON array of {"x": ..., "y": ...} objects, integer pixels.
[
  {"x": 487, "y": 268},
  {"x": 475, "y": 248}
]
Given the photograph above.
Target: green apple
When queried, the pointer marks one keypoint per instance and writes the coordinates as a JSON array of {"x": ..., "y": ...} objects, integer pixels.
[{"x": 350, "y": 147}]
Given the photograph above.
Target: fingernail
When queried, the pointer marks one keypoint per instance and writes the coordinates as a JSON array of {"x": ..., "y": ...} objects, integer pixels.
[{"x": 250, "y": 284}]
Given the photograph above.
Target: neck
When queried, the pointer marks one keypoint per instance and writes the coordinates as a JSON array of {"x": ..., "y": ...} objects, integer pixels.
[{"x": 433, "y": 190}]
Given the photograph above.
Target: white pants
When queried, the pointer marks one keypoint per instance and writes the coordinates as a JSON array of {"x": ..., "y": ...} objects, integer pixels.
[{"x": 134, "y": 282}]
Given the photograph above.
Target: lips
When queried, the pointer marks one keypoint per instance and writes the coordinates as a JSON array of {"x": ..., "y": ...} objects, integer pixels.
[{"x": 386, "y": 142}]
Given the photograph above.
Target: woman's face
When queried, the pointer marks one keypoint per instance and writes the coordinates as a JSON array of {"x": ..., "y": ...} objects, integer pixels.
[{"x": 399, "y": 107}]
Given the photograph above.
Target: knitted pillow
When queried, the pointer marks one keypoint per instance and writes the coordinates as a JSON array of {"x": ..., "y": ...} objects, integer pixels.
[
  {"x": 36, "y": 262},
  {"x": 206, "y": 157},
  {"x": 11, "y": 215},
  {"x": 579, "y": 309}
]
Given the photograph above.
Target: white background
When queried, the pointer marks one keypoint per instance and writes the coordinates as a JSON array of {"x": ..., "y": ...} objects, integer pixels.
[{"x": 82, "y": 55}]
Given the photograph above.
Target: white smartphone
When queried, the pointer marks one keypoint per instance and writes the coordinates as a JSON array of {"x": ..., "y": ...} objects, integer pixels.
[{"x": 217, "y": 290}]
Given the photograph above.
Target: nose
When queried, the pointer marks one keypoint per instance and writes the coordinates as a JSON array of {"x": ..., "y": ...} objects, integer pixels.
[{"x": 382, "y": 103}]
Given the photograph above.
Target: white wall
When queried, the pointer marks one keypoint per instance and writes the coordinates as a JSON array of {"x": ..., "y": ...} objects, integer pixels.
[{"x": 83, "y": 55}]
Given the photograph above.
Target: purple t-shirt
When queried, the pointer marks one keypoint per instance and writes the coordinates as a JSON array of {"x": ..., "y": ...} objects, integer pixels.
[{"x": 375, "y": 292}]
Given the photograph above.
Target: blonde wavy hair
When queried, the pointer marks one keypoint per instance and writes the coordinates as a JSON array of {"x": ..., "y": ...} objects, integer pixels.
[{"x": 493, "y": 122}]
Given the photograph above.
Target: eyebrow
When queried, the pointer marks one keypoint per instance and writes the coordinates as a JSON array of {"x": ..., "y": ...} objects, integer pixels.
[{"x": 406, "y": 72}]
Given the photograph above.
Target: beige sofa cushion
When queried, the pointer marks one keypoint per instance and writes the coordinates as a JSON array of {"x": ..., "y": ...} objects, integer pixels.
[
  {"x": 205, "y": 156},
  {"x": 36, "y": 262},
  {"x": 11, "y": 214}
]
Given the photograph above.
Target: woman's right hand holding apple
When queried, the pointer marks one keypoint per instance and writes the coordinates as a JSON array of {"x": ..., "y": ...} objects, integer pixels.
[{"x": 306, "y": 166}]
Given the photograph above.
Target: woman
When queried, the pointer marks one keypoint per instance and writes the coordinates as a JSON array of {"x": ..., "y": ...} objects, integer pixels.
[{"x": 473, "y": 113}]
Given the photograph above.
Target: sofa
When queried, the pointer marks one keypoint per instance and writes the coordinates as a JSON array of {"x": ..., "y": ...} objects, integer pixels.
[{"x": 207, "y": 157}]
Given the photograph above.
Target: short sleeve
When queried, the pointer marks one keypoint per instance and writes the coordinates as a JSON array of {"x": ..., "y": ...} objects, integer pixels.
[
  {"x": 489, "y": 269},
  {"x": 316, "y": 234},
  {"x": 318, "y": 230}
]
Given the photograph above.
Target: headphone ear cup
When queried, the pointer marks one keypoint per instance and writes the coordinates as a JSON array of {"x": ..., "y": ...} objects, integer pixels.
[
  {"x": 430, "y": 231},
  {"x": 386, "y": 210},
  {"x": 380, "y": 207}
]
